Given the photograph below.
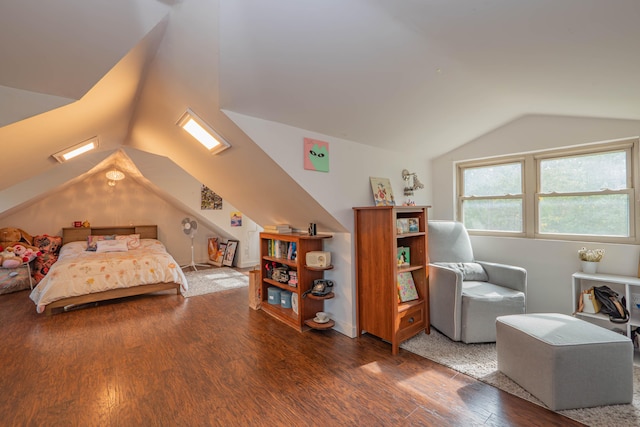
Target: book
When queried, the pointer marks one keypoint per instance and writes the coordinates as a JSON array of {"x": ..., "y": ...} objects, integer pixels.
[
  {"x": 292, "y": 252},
  {"x": 281, "y": 249},
  {"x": 278, "y": 228},
  {"x": 404, "y": 256},
  {"x": 406, "y": 287},
  {"x": 413, "y": 225}
]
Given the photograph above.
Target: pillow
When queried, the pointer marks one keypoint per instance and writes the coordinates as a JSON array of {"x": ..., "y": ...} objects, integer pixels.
[
  {"x": 470, "y": 270},
  {"x": 92, "y": 241},
  {"x": 48, "y": 244},
  {"x": 111, "y": 246},
  {"x": 42, "y": 265},
  {"x": 133, "y": 240}
]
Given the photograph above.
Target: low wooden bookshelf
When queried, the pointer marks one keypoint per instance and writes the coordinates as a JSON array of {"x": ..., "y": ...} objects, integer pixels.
[{"x": 307, "y": 304}]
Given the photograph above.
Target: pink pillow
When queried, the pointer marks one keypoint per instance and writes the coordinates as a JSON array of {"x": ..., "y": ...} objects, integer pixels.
[
  {"x": 48, "y": 244},
  {"x": 133, "y": 240}
]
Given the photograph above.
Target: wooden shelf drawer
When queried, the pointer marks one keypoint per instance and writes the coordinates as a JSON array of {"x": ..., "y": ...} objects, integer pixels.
[{"x": 411, "y": 321}]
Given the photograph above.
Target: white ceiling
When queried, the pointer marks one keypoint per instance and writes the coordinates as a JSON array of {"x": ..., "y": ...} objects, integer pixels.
[
  {"x": 54, "y": 52},
  {"x": 411, "y": 73},
  {"x": 428, "y": 75},
  {"x": 419, "y": 75}
]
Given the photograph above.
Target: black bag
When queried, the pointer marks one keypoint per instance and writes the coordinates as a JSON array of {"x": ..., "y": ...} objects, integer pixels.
[{"x": 611, "y": 305}]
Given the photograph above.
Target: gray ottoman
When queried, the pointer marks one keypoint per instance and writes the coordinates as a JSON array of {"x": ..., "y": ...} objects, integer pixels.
[{"x": 565, "y": 362}]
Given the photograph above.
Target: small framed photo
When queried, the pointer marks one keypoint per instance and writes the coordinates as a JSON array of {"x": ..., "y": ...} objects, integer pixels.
[
  {"x": 230, "y": 252},
  {"x": 402, "y": 225}
]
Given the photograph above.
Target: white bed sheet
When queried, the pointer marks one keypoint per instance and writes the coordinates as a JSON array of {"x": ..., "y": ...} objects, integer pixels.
[{"x": 80, "y": 272}]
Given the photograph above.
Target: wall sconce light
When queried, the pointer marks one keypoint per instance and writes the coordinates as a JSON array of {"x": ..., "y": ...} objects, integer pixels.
[
  {"x": 114, "y": 176},
  {"x": 411, "y": 182},
  {"x": 76, "y": 150},
  {"x": 201, "y": 131}
]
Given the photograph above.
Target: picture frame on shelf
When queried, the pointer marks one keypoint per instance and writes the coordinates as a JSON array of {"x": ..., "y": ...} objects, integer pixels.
[
  {"x": 413, "y": 225},
  {"x": 230, "y": 252},
  {"x": 402, "y": 226},
  {"x": 406, "y": 287},
  {"x": 382, "y": 191},
  {"x": 404, "y": 256}
]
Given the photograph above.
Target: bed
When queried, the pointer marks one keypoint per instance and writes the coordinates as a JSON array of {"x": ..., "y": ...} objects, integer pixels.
[{"x": 82, "y": 276}]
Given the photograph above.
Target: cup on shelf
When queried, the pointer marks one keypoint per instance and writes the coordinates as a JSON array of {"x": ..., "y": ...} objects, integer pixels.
[{"x": 322, "y": 316}]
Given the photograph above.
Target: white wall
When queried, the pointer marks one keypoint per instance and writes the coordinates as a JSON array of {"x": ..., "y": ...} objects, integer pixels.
[
  {"x": 184, "y": 190},
  {"x": 549, "y": 263},
  {"x": 345, "y": 185}
]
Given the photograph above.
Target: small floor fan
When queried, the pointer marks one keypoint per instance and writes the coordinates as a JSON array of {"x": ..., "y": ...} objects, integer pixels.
[{"x": 190, "y": 227}]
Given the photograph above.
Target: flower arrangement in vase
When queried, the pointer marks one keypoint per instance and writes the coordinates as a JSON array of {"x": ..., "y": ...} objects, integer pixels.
[{"x": 590, "y": 259}]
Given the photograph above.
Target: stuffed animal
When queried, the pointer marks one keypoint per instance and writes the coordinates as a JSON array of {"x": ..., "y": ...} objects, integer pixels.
[
  {"x": 15, "y": 255},
  {"x": 9, "y": 258},
  {"x": 25, "y": 253},
  {"x": 14, "y": 235}
]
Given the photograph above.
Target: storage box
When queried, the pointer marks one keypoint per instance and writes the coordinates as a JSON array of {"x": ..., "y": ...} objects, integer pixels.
[
  {"x": 255, "y": 297},
  {"x": 285, "y": 299},
  {"x": 273, "y": 295}
]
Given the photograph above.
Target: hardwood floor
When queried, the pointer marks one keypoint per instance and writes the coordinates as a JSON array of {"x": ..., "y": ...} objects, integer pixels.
[{"x": 211, "y": 360}]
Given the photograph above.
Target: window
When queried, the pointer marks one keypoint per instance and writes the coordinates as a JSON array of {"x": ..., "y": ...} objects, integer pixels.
[
  {"x": 573, "y": 194},
  {"x": 492, "y": 197}
]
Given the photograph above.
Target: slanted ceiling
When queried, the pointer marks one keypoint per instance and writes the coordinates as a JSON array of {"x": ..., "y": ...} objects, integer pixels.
[{"x": 427, "y": 76}]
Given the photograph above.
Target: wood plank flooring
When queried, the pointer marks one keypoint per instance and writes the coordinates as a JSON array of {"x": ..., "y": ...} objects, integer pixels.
[{"x": 210, "y": 360}]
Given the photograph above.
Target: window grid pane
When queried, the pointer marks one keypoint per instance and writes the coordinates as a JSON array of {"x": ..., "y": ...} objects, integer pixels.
[
  {"x": 602, "y": 215},
  {"x": 494, "y": 180},
  {"x": 493, "y": 214},
  {"x": 591, "y": 172}
]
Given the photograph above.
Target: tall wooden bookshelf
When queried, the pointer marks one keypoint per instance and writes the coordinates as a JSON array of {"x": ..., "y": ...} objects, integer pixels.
[
  {"x": 380, "y": 311},
  {"x": 307, "y": 306}
]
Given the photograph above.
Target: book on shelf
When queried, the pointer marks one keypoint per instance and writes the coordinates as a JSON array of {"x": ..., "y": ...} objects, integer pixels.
[
  {"x": 406, "y": 287},
  {"x": 404, "y": 256},
  {"x": 292, "y": 252},
  {"x": 278, "y": 228},
  {"x": 282, "y": 249},
  {"x": 413, "y": 225}
]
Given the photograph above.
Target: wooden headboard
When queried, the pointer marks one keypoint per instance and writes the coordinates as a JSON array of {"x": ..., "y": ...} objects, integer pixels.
[{"x": 74, "y": 234}]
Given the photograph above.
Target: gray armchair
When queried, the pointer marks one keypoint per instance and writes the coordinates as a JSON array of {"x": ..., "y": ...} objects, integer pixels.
[{"x": 465, "y": 295}]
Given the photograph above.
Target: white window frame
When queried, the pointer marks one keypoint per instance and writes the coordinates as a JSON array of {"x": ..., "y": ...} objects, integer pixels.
[
  {"x": 485, "y": 163},
  {"x": 531, "y": 189}
]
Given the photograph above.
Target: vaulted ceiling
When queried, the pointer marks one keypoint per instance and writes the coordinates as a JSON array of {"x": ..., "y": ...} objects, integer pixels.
[
  {"x": 424, "y": 75},
  {"x": 428, "y": 75}
]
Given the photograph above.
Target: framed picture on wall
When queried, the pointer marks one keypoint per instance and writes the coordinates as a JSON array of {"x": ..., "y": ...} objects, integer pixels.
[
  {"x": 209, "y": 199},
  {"x": 230, "y": 252},
  {"x": 316, "y": 155}
]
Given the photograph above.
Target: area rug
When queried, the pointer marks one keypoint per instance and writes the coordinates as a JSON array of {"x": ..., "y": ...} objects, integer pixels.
[
  {"x": 480, "y": 362},
  {"x": 211, "y": 280}
]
